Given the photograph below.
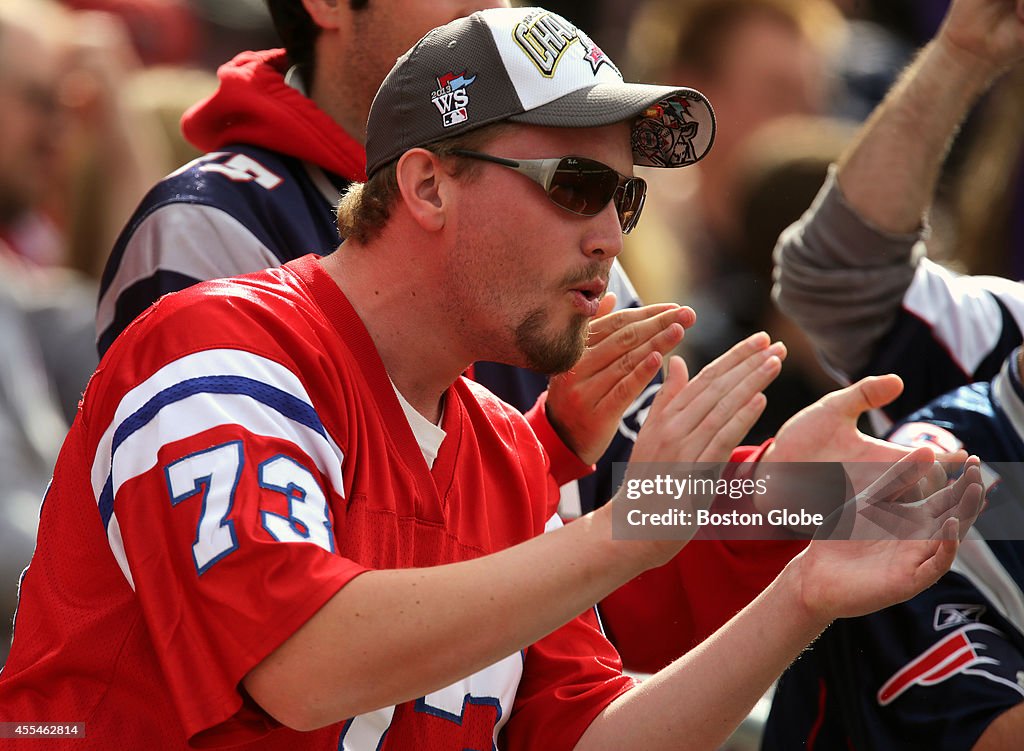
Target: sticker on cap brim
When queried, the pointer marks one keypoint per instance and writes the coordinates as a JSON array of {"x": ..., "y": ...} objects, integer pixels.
[
  {"x": 451, "y": 97},
  {"x": 674, "y": 132}
]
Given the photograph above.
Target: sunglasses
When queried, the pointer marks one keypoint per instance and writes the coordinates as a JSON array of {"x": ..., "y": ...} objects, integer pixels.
[{"x": 577, "y": 184}]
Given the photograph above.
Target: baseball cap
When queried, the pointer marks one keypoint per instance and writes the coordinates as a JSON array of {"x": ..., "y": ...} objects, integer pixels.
[{"x": 527, "y": 65}]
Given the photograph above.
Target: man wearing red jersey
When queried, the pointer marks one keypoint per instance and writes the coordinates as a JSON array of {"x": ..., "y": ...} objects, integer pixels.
[{"x": 283, "y": 520}]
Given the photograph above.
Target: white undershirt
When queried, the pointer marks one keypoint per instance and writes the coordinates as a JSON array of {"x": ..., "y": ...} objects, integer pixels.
[
  {"x": 428, "y": 435},
  {"x": 294, "y": 79}
]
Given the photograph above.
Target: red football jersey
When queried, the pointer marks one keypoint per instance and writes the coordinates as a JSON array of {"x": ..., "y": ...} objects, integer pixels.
[{"x": 241, "y": 455}]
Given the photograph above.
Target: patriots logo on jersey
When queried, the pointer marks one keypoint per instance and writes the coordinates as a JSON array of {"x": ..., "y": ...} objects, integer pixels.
[
  {"x": 917, "y": 434},
  {"x": 950, "y": 615},
  {"x": 963, "y": 652}
]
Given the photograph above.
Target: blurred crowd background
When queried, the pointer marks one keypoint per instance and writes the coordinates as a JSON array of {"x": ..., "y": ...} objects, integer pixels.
[{"x": 91, "y": 92}]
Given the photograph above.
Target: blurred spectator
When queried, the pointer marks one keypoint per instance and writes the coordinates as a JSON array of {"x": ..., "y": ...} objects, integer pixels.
[
  {"x": 40, "y": 320},
  {"x": 865, "y": 65},
  {"x": 165, "y": 92},
  {"x": 162, "y": 32},
  {"x": 779, "y": 170},
  {"x": 31, "y": 126},
  {"x": 757, "y": 60},
  {"x": 62, "y": 124},
  {"x": 607, "y": 21},
  {"x": 31, "y": 425},
  {"x": 108, "y": 142},
  {"x": 987, "y": 200}
]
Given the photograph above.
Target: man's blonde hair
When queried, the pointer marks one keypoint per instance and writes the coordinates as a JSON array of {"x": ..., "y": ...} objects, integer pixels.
[{"x": 365, "y": 208}]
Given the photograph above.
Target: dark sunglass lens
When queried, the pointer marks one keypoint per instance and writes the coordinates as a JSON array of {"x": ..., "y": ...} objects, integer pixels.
[
  {"x": 583, "y": 186},
  {"x": 630, "y": 202}
]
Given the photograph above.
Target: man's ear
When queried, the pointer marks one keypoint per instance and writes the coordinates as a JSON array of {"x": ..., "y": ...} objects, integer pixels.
[
  {"x": 422, "y": 182},
  {"x": 327, "y": 14}
]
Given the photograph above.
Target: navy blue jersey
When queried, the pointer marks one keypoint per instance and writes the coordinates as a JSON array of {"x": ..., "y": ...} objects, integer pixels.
[
  {"x": 229, "y": 212},
  {"x": 872, "y": 303},
  {"x": 949, "y": 330},
  {"x": 933, "y": 672}
]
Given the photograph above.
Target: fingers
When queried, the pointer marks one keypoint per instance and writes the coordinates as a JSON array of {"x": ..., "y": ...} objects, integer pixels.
[
  {"x": 728, "y": 436},
  {"x": 951, "y": 461},
  {"x": 945, "y": 502},
  {"x": 723, "y": 372},
  {"x": 625, "y": 350},
  {"x": 710, "y": 418},
  {"x": 606, "y": 306},
  {"x": 934, "y": 480},
  {"x": 628, "y": 388},
  {"x": 973, "y": 497},
  {"x": 955, "y": 501},
  {"x": 901, "y": 476},
  {"x": 607, "y": 323},
  {"x": 710, "y": 402},
  {"x": 970, "y": 507},
  {"x": 676, "y": 377},
  {"x": 618, "y": 352},
  {"x": 961, "y": 500},
  {"x": 944, "y": 546}
]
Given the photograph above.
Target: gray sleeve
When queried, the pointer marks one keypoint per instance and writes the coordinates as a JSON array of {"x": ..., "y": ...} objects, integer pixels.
[
  {"x": 843, "y": 280},
  {"x": 62, "y": 321},
  {"x": 32, "y": 428}
]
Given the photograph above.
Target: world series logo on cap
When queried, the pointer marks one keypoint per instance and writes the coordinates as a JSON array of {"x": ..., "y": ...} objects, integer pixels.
[{"x": 451, "y": 97}]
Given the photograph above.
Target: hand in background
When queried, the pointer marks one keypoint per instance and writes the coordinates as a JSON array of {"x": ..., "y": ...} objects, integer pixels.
[{"x": 895, "y": 549}]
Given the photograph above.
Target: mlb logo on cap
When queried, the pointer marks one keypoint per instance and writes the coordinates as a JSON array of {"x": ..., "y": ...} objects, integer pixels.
[
  {"x": 527, "y": 65},
  {"x": 451, "y": 98}
]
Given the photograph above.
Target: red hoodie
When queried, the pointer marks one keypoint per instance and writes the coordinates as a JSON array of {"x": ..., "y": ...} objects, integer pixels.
[{"x": 255, "y": 106}]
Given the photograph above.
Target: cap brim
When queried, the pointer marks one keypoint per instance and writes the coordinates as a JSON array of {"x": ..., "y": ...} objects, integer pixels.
[{"x": 674, "y": 126}]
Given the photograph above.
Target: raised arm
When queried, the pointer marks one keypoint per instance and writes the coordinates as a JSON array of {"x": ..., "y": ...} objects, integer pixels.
[
  {"x": 889, "y": 173},
  {"x": 849, "y": 266}
]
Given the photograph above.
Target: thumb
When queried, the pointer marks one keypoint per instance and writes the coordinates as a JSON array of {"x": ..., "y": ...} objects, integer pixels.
[
  {"x": 676, "y": 377},
  {"x": 867, "y": 393}
]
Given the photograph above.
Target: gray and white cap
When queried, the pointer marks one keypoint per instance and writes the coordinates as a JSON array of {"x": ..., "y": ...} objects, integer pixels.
[{"x": 527, "y": 65}]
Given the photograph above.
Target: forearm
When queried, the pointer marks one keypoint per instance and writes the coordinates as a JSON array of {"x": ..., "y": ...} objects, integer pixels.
[
  {"x": 1004, "y": 733},
  {"x": 890, "y": 172},
  {"x": 842, "y": 279},
  {"x": 844, "y": 268},
  {"x": 417, "y": 630},
  {"x": 696, "y": 702}
]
